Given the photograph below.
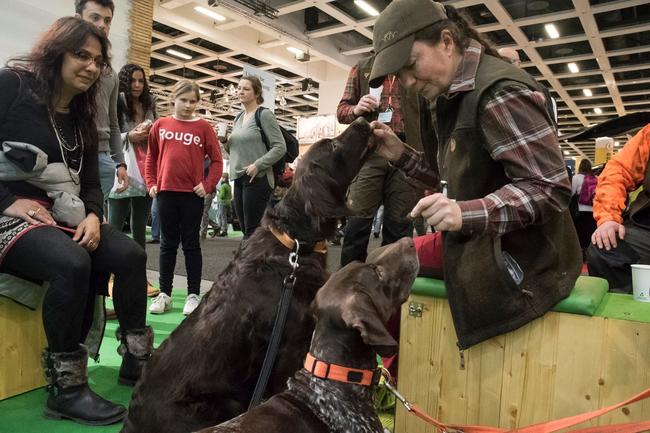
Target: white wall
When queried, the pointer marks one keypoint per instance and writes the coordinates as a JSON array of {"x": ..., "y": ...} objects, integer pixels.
[
  {"x": 22, "y": 21},
  {"x": 331, "y": 90}
]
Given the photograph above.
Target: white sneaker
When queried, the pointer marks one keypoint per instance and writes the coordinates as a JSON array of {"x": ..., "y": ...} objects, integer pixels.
[
  {"x": 160, "y": 304},
  {"x": 191, "y": 303}
]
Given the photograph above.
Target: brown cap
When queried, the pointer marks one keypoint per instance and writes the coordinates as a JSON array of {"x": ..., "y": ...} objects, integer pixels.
[{"x": 394, "y": 34}]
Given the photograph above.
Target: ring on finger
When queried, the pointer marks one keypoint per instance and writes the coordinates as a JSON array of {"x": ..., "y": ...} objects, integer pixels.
[{"x": 31, "y": 212}]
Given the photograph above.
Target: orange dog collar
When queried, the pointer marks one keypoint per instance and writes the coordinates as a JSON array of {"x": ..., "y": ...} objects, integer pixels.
[{"x": 339, "y": 373}]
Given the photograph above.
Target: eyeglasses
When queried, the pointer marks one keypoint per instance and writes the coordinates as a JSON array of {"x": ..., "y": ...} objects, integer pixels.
[{"x": 86, "y": 58}]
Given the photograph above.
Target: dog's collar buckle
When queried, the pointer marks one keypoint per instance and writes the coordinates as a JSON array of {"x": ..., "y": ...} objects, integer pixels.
[
  {"x": 339, "y": 373},
  {"x": 287, "y": 241}
]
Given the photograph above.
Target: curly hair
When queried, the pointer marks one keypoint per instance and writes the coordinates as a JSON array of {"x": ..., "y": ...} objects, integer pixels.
[
  {"x": 43, "y": 64},
  {"x": 460, "y": 29},
  {"x": 126, "y": 78}
]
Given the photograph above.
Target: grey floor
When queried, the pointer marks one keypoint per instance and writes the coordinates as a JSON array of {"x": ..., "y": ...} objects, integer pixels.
[{"x": 218, "y": 252}]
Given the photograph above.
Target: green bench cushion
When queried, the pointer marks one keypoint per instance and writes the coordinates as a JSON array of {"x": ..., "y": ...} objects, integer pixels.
[
  {"x": 623, "y": 307},
  {"x": 584, "y": 299}
]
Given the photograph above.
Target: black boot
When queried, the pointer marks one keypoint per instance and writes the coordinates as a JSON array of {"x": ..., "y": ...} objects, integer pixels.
[
  {"x": 69, "y": 394},
  {"x": 136, "y": 347}
]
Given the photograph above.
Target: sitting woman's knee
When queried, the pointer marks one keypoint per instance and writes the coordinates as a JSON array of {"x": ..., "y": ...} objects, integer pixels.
[{"x": 76, "y": 264}]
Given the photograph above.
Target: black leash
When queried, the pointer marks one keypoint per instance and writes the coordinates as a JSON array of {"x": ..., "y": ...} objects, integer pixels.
[{"x": 278, "y": 330}]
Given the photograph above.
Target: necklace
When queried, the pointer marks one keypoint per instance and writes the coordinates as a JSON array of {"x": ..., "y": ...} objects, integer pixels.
[{"x": 71, "y": 154}]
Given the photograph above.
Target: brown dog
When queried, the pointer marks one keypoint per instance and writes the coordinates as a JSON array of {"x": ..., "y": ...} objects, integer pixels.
[
  {"x": 205, "y": 372},
  {"x": 351, "y": 310}
]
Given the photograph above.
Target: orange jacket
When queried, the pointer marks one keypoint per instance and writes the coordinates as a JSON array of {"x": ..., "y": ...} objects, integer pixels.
[{"x": 623, "y": 174}]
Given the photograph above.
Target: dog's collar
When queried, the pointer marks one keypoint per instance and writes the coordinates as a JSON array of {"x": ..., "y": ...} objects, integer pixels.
[
  {"x": 319, "y": 247},
  {"x": 339, "y": 373}
]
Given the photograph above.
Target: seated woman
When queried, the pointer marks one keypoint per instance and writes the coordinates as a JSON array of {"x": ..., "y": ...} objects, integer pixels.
[{"x": 47, "y": 100}]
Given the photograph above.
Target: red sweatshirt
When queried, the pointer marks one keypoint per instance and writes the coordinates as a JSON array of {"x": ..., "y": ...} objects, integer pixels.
[{"x": 177, "y": 149}]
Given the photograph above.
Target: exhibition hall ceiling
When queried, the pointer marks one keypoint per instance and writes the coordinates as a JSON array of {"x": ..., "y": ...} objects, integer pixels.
[{"x": 596, "y": 63}]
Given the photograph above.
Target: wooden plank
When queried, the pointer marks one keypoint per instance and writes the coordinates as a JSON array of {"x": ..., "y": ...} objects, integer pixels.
[
  {"x": 22, "y": 340},
  {"x": 556, "y": 366}
]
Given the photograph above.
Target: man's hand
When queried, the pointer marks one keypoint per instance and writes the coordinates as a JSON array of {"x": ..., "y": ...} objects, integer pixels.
[
  {"x": 87, "y": 233},
  {"x": 123, "y": 179},
  {"x": 386, "y": 143},
  {"x": 199, "y": 190},
  {"x": 153, "y": 191},
  {"x": 606, "y": 233},
  {"x": 367, "y": 104},
  {"x": 440, "y": 212}
]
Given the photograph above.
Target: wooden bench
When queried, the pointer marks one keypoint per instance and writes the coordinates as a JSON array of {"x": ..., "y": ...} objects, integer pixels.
[
  {"x": 592, "y": 351},
  {"x": 22, "y": 340}
]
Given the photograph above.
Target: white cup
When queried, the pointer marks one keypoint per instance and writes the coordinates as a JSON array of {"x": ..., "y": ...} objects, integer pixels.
[
  {"x": 376, "y": 92},
  {"x": 641, "y": 283},
  {"x": 221, "y": 129}
]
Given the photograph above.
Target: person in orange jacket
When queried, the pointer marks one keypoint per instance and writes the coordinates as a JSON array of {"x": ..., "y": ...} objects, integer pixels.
[{"x": 622, "y": 236}]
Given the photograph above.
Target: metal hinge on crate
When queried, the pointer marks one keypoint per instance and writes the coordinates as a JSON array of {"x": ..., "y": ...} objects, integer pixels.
[{"x": 415, "y": 309}]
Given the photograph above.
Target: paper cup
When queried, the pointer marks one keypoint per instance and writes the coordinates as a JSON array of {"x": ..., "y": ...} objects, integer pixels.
[
  {"x": 641, "y": 283},
  {"x": 376, "y": 92}
]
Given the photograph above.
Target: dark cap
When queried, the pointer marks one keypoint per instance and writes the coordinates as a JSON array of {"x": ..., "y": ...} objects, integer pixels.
[{"x": 394, "y": 34}]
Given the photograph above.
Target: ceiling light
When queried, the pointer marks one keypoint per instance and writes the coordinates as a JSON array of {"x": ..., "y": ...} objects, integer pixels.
[
  {"x": 211, "y": 14},
  {"x": 587, "y": 92},
  {"x": 366, "y": 8},
  {"x": 567, "y": 153},
  {"x": 617, "y": 143},
  {"x": 573, "y": 68},
  {"x": 295, "y": 50},
  {"x": 551, "y": 31},
  {"x": 597, "y": 110},
  {"x": 178, "y": 54},
  {"x": 312, "y": 97},
  {"x": 296, "y": 117}
]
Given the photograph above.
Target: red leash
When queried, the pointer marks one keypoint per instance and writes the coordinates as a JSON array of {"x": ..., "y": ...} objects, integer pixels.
[{"x": 545, "y": 427}]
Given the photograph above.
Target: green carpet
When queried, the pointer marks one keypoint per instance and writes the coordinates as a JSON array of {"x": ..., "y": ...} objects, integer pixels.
[{"x": 23, "y": 413}]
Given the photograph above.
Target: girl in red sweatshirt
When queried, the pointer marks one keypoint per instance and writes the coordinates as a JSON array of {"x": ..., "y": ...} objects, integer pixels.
[{"x": 174, "y": 174}]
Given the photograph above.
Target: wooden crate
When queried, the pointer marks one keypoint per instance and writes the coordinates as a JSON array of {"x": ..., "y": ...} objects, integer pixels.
[
  {"x": 22, "y": 340},
  {"x": 559, "y": 365}
]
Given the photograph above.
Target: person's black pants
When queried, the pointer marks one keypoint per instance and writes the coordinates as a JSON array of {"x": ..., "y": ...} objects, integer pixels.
[
  {"x": 250, "y": 200},
  {"x": 180, "y": 220},
  {"x": 585, "y": 226},
  {"x": 357, "y": 234},
  {"x": 614, "y": 265},
  {"x": 49, "y": 254}
]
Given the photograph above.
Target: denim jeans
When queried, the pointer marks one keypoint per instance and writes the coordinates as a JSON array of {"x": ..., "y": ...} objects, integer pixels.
[
  {"x": 106, "y": 173},
  {"x": 155, "y": 220}
]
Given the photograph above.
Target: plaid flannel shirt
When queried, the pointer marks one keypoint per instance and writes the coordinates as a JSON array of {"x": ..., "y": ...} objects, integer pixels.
[{"x": 517, "y": 134}]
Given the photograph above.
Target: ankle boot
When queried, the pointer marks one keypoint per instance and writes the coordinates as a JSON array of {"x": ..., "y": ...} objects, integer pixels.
[
  {"x": 136, "y": 347},
  {"x": 69, "y": 394}
]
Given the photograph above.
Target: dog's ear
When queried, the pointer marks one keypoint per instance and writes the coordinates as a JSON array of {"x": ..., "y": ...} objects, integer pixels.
[{"x": 360, "y": 313}]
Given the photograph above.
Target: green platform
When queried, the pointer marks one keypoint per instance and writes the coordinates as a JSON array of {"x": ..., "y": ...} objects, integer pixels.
[{"x": 589, "y": 297}]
